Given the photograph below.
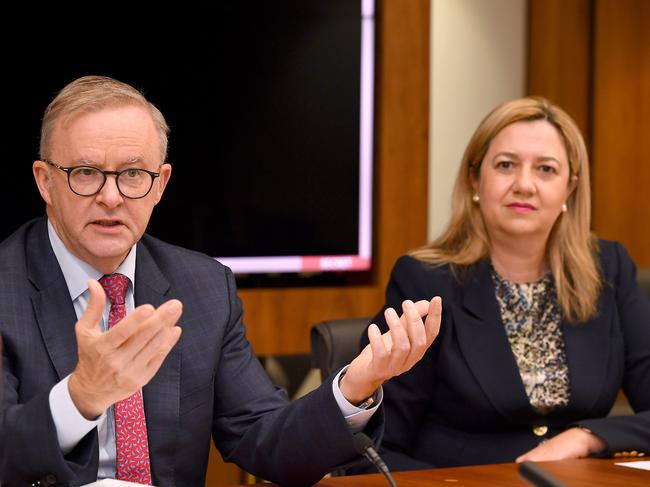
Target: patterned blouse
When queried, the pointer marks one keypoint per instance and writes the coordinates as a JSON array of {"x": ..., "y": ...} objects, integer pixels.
[{"x": 532, "y": 319}]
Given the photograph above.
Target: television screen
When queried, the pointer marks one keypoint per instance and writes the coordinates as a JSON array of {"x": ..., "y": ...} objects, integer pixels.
[{"x": 270, "y": 105}]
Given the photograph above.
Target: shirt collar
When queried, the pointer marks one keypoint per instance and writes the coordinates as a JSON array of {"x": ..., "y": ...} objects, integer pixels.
[{"x": 77, "y": 272}]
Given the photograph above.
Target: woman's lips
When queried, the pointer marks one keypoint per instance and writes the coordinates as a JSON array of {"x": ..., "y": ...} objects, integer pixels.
[{"x": 521, "y": 207}]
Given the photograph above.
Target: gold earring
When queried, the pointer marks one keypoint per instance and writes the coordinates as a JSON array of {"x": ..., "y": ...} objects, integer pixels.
[
  {"x": 475, "y": 198},
  {"x": 564, "y": 208}
]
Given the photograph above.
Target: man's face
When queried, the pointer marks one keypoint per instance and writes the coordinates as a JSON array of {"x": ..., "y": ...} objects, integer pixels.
[{"x": 101, "y": 229}]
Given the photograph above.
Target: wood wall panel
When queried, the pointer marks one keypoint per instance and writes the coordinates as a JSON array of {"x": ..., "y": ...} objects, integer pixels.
[
  {"x": 621, "y": 147},
  {"x": 278, "y": 320},
  {"x": 559, "y": 55},
  {"x": 592, "y": 57}
]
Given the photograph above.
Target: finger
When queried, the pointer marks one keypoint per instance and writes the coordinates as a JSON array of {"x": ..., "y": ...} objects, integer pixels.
[
  {"x": 128, "y": 326},
  {"x": 434, "y": 317},
  {"x": 140, "y": 332},
  {"x": 416, "y": 334},
  {"x": 422, "y": 307},
  {"x": 156, "y": 360},
  {"x": 96, "y": 303},
  {"x": 526, "y": 457},
  {"x": 399, "y": 336},
  {"x": 158, "y": 342},
  {"x": 379, "y": 350}
]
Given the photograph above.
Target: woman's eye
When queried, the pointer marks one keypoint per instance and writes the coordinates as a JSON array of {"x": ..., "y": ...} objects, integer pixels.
[
  {"x": 504, "y": 164},
  {"x": 547, "y": 169}
]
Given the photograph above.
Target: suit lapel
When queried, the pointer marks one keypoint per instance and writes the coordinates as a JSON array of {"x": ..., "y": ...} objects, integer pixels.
[
  {"x": 587, "y": 349},
  {"x": 484, "y": 344},
  {"x": 162, "y": 394},
  {"x": 51, "y": 301}
]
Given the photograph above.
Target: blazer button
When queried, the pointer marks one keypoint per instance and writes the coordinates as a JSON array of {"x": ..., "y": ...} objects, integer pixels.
[{"x": 540, "y": 430}]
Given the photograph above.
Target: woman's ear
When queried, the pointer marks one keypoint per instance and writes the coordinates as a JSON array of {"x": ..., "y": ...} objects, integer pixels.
[
  {"x": 573, "y": 183},
  {"x": 474, "y": 178}
]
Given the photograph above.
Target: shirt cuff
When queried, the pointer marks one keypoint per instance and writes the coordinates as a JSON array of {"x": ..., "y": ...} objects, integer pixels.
[
  {"x": 70, "y": 425},
  {"x": 355, "y": 417}
]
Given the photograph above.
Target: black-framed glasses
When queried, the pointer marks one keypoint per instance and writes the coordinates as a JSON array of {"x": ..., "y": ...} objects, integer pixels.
[{"x": 132, "y": 183}]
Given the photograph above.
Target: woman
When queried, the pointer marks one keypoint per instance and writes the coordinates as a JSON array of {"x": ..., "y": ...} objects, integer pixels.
[{"x": 542, "y": 323}]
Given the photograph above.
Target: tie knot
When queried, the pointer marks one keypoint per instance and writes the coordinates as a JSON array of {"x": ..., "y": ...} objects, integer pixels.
[{"x": 115, "y": 287}]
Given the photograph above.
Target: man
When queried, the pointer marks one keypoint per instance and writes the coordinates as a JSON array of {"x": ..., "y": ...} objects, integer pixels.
[{"x": 139, "y": 401}]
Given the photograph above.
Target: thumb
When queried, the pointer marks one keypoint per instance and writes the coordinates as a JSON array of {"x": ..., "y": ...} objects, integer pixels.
[{"x": 93, "y": 314}]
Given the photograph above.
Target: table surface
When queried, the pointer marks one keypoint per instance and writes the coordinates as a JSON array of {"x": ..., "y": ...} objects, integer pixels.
[{"x": 583, "y": 472}]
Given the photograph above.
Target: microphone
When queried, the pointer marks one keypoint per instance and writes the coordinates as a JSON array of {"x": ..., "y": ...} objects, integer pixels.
[
  {"x": 538, "y": 477},
  {"x": 364, "y": 446}
]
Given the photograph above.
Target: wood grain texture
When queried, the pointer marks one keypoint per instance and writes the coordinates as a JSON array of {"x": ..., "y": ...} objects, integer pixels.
[
  {"x": 587, "y": 472},
  {"x": 592, "y": 57},
  {"x": 621, "y": 152},
  {"x": 278, "y": 320},
  {"x": 559, "y": 55}
]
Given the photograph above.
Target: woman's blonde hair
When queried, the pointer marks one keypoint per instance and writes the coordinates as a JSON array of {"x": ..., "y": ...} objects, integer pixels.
[
  {"x": 571, "y": 249},
  {"x": 91, "y": 93}
]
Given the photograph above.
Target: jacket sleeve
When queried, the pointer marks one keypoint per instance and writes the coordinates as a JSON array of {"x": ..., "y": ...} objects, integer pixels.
[
  {"x": 29, "y": 448},
  {"x": 408, "y": 396},
  {"x": 256, "y": 427},
  {"x": 629, "y": 432}
]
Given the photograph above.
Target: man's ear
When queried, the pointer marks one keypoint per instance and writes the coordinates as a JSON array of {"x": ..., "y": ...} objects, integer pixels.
[
  {"x": 42, "y": 177},
  {"x": 163, "y": 179}
]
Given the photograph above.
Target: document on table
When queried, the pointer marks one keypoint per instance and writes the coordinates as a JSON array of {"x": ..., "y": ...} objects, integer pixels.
[{"x": 645, "y": 465}]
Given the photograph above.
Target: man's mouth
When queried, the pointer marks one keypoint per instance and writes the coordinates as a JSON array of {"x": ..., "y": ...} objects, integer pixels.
[{"x": 107, "y": 223}]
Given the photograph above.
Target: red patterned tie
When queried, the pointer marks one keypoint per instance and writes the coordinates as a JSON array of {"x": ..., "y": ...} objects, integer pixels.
[{"x": 130, "y": 426}]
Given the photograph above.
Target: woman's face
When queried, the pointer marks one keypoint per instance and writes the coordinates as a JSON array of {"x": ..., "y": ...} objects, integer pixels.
[{"x": 523, "y": 181}]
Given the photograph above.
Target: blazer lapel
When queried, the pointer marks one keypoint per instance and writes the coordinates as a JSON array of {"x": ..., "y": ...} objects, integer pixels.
[
  {"x": 587, "y": 349},
  {"x": 484, "y": 344},
  {"x": 162, "y": 393},
  {"x": 51, "y": 300}
]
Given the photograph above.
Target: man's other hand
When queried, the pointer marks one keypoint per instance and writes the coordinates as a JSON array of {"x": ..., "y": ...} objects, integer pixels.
[{"x": 394, "y": 352}]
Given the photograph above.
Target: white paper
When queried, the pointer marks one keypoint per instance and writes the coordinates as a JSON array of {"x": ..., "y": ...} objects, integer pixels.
[{"x": 645, "y": 465}]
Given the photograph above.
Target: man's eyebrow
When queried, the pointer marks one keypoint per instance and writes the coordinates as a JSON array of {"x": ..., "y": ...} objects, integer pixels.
[
  {"x": 131, "y": 161},
  {"x": 127, "y": 162}
]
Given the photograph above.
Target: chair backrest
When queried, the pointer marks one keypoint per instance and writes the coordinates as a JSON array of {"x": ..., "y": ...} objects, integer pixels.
[
  {"x": 643, "y": 277},
  {"x": 335, "y": 343}
]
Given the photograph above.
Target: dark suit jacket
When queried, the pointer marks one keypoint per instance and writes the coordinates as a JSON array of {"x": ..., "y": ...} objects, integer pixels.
[
  {"x": 210, "y": 384},
  {"x": 465, "y": 403}
]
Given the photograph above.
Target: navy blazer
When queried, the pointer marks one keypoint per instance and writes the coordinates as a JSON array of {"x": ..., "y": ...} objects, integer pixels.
[
  {"x": 211, "y": 383},
  {"x": 465, "y": 402}
]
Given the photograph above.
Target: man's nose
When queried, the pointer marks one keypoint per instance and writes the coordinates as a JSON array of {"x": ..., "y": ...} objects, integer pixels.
[{"x": 110, "y": 195}]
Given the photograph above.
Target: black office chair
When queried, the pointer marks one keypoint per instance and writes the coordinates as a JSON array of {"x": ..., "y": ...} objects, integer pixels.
[
  {"x": 335, "y": 343},
  {"x": 643, "y": 278}
]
